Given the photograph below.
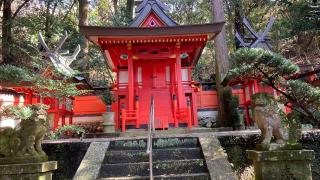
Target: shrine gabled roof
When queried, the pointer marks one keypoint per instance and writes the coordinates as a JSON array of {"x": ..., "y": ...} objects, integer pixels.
[
  {"x": 105, "y": 36},
  {"x": 148, "y": 7},
  {"x": 95, "y": 32}
]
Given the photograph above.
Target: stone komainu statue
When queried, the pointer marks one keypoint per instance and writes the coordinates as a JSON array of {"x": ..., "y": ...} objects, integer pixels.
[
  {"x": 266, "y": 115},
  {"x": 24, "y": 141}
]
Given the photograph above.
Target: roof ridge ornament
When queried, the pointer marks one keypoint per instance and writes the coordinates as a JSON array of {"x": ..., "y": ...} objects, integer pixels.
[
  {"x": 162, "y": 5},
  {"x": 256, "y": 39},
  {"x": 60, "y": 60}
]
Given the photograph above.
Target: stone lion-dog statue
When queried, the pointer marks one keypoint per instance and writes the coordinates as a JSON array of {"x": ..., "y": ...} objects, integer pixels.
[
  {"x": 24, "y": 141},
  {"x": 266, "y": 115}
]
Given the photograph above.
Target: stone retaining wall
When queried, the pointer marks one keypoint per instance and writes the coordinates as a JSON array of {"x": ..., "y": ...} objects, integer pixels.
[
  {"x": 236, "y": 146},
  {"x": 70, "y": 154}
]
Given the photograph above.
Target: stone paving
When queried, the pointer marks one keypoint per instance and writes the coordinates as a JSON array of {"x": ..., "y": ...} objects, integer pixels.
[{"x": 216, "y": 159}]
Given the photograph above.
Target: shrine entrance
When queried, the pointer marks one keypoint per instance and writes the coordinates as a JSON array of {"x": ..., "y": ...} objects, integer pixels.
[{"x": 156, "y": 83}]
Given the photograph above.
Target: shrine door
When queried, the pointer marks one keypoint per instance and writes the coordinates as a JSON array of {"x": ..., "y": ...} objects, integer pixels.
[{"x": 154, "y": 83}]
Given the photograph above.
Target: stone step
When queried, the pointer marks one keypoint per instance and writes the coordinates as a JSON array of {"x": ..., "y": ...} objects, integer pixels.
[
  {"x": 134, "y": 156},
  {"x": 158, "y": 143},
  {"x": 159, "y": 168},
  {"x": 195, "y": 176}
]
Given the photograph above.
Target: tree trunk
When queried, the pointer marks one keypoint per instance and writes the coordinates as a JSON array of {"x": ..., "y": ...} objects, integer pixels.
[
  {"x": 115, "y": 6},
  {"x": 221, "y": 55},
  {"x": 130, "y": 6},
  {"x": 83, "y": 21},
  {"x": 6, "y": 31},
  {"x": 47, "y": 23}
]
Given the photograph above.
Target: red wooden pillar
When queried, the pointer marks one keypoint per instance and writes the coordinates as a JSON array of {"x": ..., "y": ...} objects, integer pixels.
[
  {"x": 189, "y": 114},
  {"x": 173, "y": 78},
  {"x": 56, "y": 114},
  {"x": 195, "y": 109},
  {"x": 16, "y": 100},
  {"x": 70, "y": 118},
  {"x": 123, "y": 124},
  {"x": 116, "y": 113},
  {"x": 256, "y": 86},
  {"x": 246, "y": 108},
  {"x": 250, "y": 85},
  {"x": 181, "y": 96},
  {"x": 63, "y": 112},
  {"x": 39, "y": 99},
  {"x": 175, "y": 105},
  {"x": 130, "y": 79},
  {"x": 28, "y": 98},
  {"x": 137, "y": 112}
]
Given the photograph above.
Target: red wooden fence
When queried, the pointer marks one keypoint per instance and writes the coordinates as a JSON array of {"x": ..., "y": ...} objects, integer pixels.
[{"x": 83, "y": 105}]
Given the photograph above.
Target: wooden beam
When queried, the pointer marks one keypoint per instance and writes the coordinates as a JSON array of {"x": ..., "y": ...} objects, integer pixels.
[
  {"x": 181, "y": 95},
  {"x": 130, "y": 79}
]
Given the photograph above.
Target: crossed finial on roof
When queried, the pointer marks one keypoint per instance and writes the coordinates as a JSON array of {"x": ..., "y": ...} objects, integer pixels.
[
  {"x": 256, "y": 39},
  {"x": 60, "y": 61}
]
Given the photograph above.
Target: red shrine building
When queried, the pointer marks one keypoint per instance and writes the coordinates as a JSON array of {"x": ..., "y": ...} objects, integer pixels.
[{"x": 154, "y": 56}]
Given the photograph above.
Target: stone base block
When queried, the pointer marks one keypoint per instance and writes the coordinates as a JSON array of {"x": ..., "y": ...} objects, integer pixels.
[
  {"x": 23, "y": 159},
  {"x": 31, "y": 171},
  {"x": 282, "y": 164}
]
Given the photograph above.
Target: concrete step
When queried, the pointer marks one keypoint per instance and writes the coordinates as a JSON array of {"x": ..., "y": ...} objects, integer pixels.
[
  {"x": 159, "y": 168},
  {"x": 134, "y": 156},
  {"x": 158, "y": 143},
  {"x": 195, "y": 176}
]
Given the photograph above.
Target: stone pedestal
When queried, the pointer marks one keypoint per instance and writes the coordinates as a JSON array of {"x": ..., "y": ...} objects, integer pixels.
[
  {"x": 108, "y": 124},
  {"x": 282, "y": 164},
  {"x": 32, "y": 171}
]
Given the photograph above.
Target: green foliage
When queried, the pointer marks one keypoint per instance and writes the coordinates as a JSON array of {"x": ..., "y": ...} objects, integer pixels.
[
  {"x": 52, "y": 136},
  {"x": 13, "y": 74},
  {"x": 190, "y": 11},
  {"x": 134, "y": 143},
  {"x": 295, "y": 13},
  {"x": 160, "y": 143},
  {"x": 57, "y": 88},
  {"x": 204, "y": 71},
  {"x": 261, "y": 64},
  {"x": 77, "y": 131},
  {"x": 273, "y": 69},
  {"x": 103, "y": 14},
  {"x": 107, "y": 97},
  {"x": 305, "y": 96},
  {"x": 11, "y": 111},
  {"x": 29, "y": 112},
  {"x": 25, "y": 113}
]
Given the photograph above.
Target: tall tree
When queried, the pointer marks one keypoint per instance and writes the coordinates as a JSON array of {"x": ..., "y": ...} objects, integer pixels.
[
  {"x": 130, "y": 6},
  {"x": 83, "y": 21},
  {"x": 115, "y": 6},
  {"x": 7, "y": 20},
  {"x": 221, "y": 54}
]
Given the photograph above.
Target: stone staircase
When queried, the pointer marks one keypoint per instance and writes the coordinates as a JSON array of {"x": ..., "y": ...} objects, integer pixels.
[{"x": 174, "y": 158}]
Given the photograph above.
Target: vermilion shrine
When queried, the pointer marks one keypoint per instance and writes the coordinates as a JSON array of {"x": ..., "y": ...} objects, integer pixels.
[
  {"x": 24, "y": 93},
  {"x": 154, "y": 56}
]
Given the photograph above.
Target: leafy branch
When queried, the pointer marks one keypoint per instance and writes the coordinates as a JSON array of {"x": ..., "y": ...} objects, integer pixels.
[{"x": 275, "y": 71}]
